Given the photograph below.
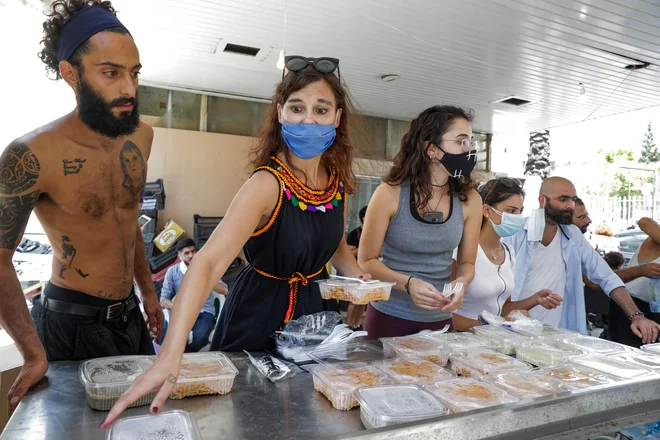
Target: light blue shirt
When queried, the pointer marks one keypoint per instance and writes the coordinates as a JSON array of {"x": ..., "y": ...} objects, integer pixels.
[
  {"x": 173, "y": 279},
  {"x": 579, "y": 257}
]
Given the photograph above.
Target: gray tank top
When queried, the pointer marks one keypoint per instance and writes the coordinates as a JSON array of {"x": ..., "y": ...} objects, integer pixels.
[{"x": 420, "y": 249}]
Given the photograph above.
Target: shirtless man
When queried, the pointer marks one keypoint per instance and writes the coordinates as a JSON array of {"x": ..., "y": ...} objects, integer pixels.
[{"x": 83, "y": 175}]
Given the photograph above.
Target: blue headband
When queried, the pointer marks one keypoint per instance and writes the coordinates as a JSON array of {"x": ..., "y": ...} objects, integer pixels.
[{"x": 82, "y": 26}]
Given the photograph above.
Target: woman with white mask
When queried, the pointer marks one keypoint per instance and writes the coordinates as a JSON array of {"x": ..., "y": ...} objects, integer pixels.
[{"x": 492, "y": 285}]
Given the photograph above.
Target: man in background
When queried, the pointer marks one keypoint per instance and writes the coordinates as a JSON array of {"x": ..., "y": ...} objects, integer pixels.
[{"x": 353, "y": 237}]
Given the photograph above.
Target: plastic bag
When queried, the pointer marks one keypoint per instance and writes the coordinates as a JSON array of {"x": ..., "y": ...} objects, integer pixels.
[
  {"x": 273, "y": 368},
  {"x": 491, "y": 319},
  {"x": 308, "y": 330}
]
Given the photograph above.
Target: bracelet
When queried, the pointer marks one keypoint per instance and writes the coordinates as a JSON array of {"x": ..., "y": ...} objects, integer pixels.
[
  {"x": 636, "y": 314},
  {"x": 407, "y": 285}
]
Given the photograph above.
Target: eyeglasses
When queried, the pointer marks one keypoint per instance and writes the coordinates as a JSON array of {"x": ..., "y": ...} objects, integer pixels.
[
  {"x": 466, "y": 144},
  {"x": 296, "y": 63},
  {"x": 582, "y": 217},
  {"x": 507, "y": 182}
]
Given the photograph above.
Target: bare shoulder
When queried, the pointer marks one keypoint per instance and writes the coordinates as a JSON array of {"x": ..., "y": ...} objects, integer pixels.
[
  {"x": 265, "y": 182},
  {"x": 386, "y": 198},
  {"x": 473, "y": 203},
  {"x": 22, "y": 161}
]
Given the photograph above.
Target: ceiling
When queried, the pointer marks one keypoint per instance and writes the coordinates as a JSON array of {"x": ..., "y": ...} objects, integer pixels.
[{"x": 462, "y": 52}]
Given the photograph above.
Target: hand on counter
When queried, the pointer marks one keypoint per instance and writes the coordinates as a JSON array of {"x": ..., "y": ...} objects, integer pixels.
[
  {"x": 645, "y": 329},
  {"x": 548, "y": 299},
  {"x": 33, "y": 370},
  {"x": 160, "y": 376}
]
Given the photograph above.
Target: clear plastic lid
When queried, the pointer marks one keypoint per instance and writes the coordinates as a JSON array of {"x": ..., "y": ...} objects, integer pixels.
[
  {"x": 414, "y": 371},
  {"x": 462, "y": 394},
  {"x": 505, "y": 340},
  {"x": 459, "y": 341},
  {"x": 390, "y": 404},
  {"x": 113, "y": 371},
  {"x": 542, "y": 354},
  {"x": 614, "y": 367},
  {"x": 547, "y": 331},
  {"x": 652, "y": 348},
  {"x": 411, "y": 345},
  {"x": 645, "y": 359},
  {"x": 352, "y": 351},
  {"x": 593, "y": 345},
  {"x": 487, "y": 361},
  {"x": 355, "y": 291},
  {"x": 350, "y": 379},
  {"x": 171, "y": 425},
  {"x": 529, "y": 384},
  {"x": 209, "y": 366},
  {"x": 579, "y": 376}
]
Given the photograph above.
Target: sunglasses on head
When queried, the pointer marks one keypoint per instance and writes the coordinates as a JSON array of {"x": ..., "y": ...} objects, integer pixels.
[
  {"x": 296, "y": 63},
  {"x": 505, "y": 181}
]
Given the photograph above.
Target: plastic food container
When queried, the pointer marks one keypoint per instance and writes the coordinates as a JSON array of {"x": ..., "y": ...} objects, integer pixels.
[
  {"x": 593, "y": 345},
  {"x": 613, "y": 367},
  {"x": 171, "y": 425},
  {"x": 391, "y": 404},
  {"x": 106, "y": 379},
  {"x": 340, "y": 386},
  {"x": 414, "y": 371},
  {"x": 652, "y": 348},
  {"x": 503, "y": 340},
  {"x": 578, "y": 376},
  {"x": 548, "y": 332},
  {"x": 352, "y": 351},
  {"x": 459, "y": 341},
  {"x": 528, "y": 385},
  {"x": 647, "y": 360},
  {"x": 543, "y": 354},
  {"x": 354, "y": 291},
  {"x": 462, "y": 394},
  {"x": 204, "y": 373},
  {"x": 480, "y": 362},
  {"x": 417, "y": 346}
]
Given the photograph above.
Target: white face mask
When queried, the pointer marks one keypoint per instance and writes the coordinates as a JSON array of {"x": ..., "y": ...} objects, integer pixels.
[{"x": 536, "y": 225}]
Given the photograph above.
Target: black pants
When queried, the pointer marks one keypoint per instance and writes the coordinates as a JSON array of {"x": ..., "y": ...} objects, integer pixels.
[
  {"x": 68, "y": 337},
  {"x": 620, "y": 330}
]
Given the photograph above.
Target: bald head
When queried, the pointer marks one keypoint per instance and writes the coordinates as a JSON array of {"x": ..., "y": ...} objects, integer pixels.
[{"x": 553, "y": 185}]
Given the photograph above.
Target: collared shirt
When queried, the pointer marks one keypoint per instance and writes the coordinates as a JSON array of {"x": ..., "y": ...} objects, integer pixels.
[
  {"x": 578, "y": 256},
  {"x": 172, "y": 283}
]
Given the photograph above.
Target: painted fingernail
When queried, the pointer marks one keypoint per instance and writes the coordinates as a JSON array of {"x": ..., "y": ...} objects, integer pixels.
[
  {"x": 361, "y": 277},
  {"x": 154, "y": 410},
  {"x": 103, "y": 422}
]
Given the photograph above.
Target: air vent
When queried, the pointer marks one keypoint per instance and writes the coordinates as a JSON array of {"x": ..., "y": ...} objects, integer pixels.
[
  {"x": 241, "y": 50},
  {"x": 513, "y": 100}
]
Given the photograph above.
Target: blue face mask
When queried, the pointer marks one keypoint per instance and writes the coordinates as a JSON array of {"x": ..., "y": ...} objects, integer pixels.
[
  {"x": 308, "y": 140},
  {"x": 511, "y": 223}
]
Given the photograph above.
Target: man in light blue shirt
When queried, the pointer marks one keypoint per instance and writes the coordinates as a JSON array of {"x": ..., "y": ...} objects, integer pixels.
[
  {"x": 206, "y": 320},
  {"x": 557, "y": 258}
]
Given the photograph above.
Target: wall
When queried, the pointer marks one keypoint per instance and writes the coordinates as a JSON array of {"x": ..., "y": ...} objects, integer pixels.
[{"x": 201, "y": 172}]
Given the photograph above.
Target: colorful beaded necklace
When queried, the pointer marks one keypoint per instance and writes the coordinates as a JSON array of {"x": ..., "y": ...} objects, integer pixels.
[{"x": 308, "y": 199}]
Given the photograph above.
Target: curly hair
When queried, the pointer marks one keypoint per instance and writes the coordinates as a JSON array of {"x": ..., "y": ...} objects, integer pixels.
[
  {"x": 413, "y": 163},
  {"x": 341, "y": 152},
  {"x": 59, "y": 13}
]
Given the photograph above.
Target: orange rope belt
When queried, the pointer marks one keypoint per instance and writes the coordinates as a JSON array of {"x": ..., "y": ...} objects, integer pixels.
[{"x": 294, "y": 281}]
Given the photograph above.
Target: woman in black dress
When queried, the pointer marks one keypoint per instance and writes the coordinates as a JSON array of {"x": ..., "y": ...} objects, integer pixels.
[{"x": 290, "y": 218}]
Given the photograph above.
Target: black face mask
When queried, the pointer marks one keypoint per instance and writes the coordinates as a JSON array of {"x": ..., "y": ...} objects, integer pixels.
[
  {"x": 561, "y": 217},
  {"x": 459, "y": 165},
  {"x": 97, "y": 114}
]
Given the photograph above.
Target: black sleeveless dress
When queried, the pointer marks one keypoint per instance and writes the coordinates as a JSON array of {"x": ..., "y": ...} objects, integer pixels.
[{"x": 284, "y": 259}]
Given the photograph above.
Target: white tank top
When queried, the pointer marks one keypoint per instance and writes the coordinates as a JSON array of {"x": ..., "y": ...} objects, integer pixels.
[
  {"x": 641, "y": 287},
  {"x": 491, "y": 286}
]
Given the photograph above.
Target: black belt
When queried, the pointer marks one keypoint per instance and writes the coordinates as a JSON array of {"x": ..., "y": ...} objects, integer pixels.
[{"x": 113, "y": 311}]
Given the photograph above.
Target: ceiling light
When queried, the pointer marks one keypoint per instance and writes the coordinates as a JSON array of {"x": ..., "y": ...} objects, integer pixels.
[
  {"x": 280, "y": 60},
  {"x": 583, "y": 93},
  {"x": 389, "y": 77}
]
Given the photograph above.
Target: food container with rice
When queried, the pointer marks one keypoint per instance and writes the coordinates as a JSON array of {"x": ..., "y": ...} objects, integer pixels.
[
  {"x": 204, "y": 373},
  {"x": 414, "y": 371},
  {"x": 340, "y": 385},
  {"x": 171, "y": 425},
  {"x": 640, "y": 358},
  {"x": 590, "y": 344},
  {"x": 578, "y": 376},
  {"x": 459, "y": 341},
  {"x": 613, "y": 367},
  {"x": 543, "y": 354},
  {"x": 355, "y": 292},
  {"x": 464, "y": 394},
  {"x": 480, "y": 362},
  {"x": 106, "y": 379},
  {"x": 502, "y": 339},
  {"x": 422, "y": 347},
  {"x": 528, "y": 384},
  {"x": 392, "y": 404},
  {"x": 548, "y": 332}
]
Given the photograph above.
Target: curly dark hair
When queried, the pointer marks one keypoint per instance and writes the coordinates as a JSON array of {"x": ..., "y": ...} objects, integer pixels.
[
  {"x": 413, "y": 163},
  {"x": 59, "y": 13}
]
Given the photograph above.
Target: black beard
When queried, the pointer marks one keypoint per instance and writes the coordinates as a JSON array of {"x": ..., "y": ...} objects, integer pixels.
[
  {"x": 558, "y": 216},
  {"x": 97, "y": 114}
]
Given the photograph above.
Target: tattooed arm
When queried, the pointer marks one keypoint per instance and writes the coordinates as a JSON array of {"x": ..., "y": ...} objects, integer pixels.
[{"x": 20, "y": 188}]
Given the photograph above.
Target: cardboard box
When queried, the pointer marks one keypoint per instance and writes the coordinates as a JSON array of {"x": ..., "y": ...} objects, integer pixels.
[{"x": 168, "y": 236}]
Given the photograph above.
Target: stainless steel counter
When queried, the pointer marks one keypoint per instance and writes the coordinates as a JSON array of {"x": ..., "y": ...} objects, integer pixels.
[{"x": 291, "y": 409}]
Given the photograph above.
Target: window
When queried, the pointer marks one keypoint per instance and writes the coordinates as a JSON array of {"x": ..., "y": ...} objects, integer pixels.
[{"x": 365, "y": 189}]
